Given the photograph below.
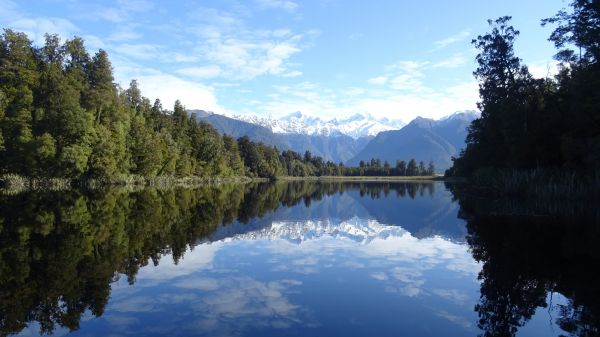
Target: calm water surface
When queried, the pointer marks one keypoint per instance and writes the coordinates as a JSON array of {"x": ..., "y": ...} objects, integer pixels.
[{"x": 296, "y": 259}]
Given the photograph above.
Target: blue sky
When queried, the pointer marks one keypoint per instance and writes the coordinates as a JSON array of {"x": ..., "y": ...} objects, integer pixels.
[{"x": 328, "y": 58}]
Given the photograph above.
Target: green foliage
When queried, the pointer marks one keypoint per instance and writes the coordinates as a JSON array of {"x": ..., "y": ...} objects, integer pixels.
[
  {"x": 527, "y": 123},
  {"x": 578, "y": 28}
]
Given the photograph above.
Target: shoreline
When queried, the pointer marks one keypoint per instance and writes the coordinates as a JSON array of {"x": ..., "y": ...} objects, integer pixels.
[
  {"x": 365, "y": 178},
  {"x": 13, "y": 182}
]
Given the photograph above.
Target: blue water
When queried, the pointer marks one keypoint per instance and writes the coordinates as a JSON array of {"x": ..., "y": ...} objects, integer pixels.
[{"x": 347, "y": 264}]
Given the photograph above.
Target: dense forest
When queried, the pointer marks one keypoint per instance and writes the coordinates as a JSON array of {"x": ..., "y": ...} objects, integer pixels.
[
  {"x": 529, "y": 124},
  {"x": 62, "y": 115}
]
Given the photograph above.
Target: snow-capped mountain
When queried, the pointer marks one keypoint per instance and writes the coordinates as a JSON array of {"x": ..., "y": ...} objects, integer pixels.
[
  {"x": 355, "y": 126},
  {"x": 423, "y": 139}
]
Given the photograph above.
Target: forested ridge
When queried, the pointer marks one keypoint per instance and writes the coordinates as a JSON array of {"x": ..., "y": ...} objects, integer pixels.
[
  {"x": 547, "y": 126},
  {"x": 62, "y": 115}
]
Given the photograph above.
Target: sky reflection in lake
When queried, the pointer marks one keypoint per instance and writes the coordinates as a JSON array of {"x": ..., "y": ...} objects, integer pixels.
[
  {"x": 333, "y": 272},
  {"x": 359, "y": 260}
]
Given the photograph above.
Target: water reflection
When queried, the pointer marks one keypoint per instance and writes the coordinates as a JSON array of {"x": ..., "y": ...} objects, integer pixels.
[
  {"x": 60, "y": 252},
  {"x": 305, "y": 277},
  {"x": 532, "y": 252},
  {"x": 297, "y": 258}
]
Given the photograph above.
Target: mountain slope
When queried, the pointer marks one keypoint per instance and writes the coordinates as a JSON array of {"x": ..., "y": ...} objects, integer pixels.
[
  {"x": 338, "y": 148},
  {"x": 422, "y": 139},
  {"x": 237, "y": 128}
]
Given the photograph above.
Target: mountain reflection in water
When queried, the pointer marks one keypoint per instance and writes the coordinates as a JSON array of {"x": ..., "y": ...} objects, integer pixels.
[{"x": 299, "y": 258}]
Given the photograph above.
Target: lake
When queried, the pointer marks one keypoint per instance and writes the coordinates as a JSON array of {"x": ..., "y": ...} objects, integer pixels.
[{"x": 297, "y": 259}]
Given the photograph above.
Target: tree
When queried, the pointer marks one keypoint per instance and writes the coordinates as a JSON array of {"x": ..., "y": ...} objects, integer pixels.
[
  {"x": 234, "y": 160},
  {"x": 578, "y": 28},
  {"x": 401, "y": 167},
  {"x": 307, "y": 156},
  {"x": 496, "y": 139},
  {"x": 575, "y": 106},
  {"x": 18, "y": 76},
  {"x": 134, "y": 95},
  {"x": 422, "y": 170},
  {"x": 411, "y": 169},
  {"x": 102, "y": 89},
  {"x": 431, "y": 168}
]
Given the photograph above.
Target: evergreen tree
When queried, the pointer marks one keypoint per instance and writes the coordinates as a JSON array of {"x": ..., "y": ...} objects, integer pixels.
[
  {"x": 431, "y": 168},
  {"x": 18, "y": 77},
  {"x": 102, "y": 90},
  {"x": 412, "y": 169},
  {"x": 421, "y": 169},
  {"x": 401, "y": 168}
]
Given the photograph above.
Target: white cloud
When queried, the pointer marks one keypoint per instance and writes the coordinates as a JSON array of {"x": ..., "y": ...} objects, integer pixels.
[
  {"x": 243, "y": 53},
  {"x": 244, "y": 58},
  {"x": 35, "y": 28},
  {"x": 286, "y": 5},
  {"x": 113, "y": 15},
  {"x": 200, "y": 72},
  {"x": 543, "y": 69},
  {"x": 142, "y": 51},
  {"x": 167, "y": 87},
  {"x": 125, "y": 33},
  {"x": 407, "y": 76},
  {"x": 123, "y": 11},
  {"x": 378, "y": 80},
  {"x": 175, "y": 57},
  {"x": 452, "y": 39},
  {"x": 405, "y": 97},
  {"x": 456, "y": 61},
  {"x": 170, "y": 88},
  {"x": 93, "y": 43},
  {"x": 292, "y": 73}
]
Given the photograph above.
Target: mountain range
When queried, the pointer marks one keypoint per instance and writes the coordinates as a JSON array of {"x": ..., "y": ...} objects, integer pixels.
[
  {"x": 356, "y": 126},
  {"x": 355, "y": 138},
  {"x": 422, "y": 139},
  {"x": 336, "y": 148}
]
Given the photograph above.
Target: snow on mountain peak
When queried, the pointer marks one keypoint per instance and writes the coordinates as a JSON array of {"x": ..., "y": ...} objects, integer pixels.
[{"x": 355, "y": 126}]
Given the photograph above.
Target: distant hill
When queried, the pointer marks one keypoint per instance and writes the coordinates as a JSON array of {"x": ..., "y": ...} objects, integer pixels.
[
  {"x": 237, "y": 128},
  {"x": 339, "y": 148},
  {"x": 423, "y": 139}
]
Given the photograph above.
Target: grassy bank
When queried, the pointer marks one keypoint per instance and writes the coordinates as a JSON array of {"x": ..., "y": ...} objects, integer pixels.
[{"x": 15, "y": 182}]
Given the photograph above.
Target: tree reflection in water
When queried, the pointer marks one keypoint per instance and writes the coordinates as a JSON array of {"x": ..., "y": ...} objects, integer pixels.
[
  {"x": 60, "y": 251},
  {"x": 530, "y": 250}
]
